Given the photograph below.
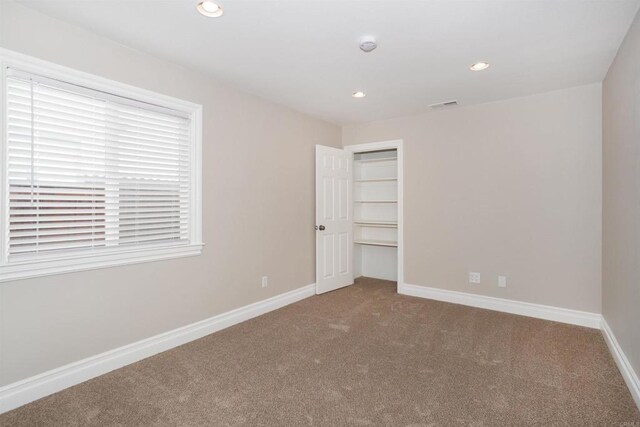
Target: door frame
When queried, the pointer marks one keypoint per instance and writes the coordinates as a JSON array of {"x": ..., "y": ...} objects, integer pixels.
[{"x": 395, "y": 144}]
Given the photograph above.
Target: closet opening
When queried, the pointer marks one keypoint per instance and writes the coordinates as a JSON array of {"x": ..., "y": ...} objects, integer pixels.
[{"x": 376, "y": 213}]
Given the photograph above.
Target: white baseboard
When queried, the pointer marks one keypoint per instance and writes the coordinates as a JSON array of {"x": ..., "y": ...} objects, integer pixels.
[
  {"x": 629, "y": 375},
  {"x": 557, "y": 314},
  {"x": 38, "y": 386}
]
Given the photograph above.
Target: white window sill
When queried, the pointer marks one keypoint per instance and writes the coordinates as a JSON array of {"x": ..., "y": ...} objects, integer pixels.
[{"x": 68, "y": 264}]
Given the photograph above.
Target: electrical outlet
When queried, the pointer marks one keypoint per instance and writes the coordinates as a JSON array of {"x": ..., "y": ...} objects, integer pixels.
[
  {"x": 502, "y": 281},
  {"x": 474, "y": 277},
  {"x": 265, "y": 281}
]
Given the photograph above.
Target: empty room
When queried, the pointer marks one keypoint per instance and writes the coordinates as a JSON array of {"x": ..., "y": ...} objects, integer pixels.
[{"x": 320, "y": 213}]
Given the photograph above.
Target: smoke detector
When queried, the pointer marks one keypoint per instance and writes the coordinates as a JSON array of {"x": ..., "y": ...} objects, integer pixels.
[{"x": 368, "y": 43}]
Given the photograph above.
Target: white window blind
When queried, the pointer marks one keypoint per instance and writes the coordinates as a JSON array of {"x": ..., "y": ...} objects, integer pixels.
[{"x": 90, "y": 171}]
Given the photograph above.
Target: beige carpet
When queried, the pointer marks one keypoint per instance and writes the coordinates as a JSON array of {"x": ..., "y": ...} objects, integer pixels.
[{"x": 361, "y": 356}]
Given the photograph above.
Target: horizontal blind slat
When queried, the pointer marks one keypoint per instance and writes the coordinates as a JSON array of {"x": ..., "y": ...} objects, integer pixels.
[
  {"x": 52, "y": 220},
  {"x": 25, "y": 237},
  {"x": 90, "y": 184},
  {"x": 22, "y": 104},
  {"x": 47, "y": 172},
  {"x": 106, "y": 130},
  {"x": 49, "y": 150},
  {"x": 22, "y": 140},
  {"x": 54, "y": 226},
  {"x": 108, "y": 162}
]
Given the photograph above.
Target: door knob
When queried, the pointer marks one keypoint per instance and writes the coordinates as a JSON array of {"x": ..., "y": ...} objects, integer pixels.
[{"x": 321, "y": 228}]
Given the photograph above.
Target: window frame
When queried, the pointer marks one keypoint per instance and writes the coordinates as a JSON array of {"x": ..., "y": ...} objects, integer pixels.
[{"x": 71, "y": 262}]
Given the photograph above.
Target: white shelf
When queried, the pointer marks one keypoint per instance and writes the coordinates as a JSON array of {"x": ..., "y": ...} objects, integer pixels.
[
  {"x": 375, "y": 201},
  {"x": 377, "y": 243},
  {"x": 381, "y": 224},
  {"x": 384, "y": 159},
  {"x": 376, "y": 180}
]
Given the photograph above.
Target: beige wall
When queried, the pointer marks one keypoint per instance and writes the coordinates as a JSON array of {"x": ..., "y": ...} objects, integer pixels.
[
  {"x": 507, "y": 188},
  {"x": 258, "y": 214},
  {"x": 621, "y": 196}
]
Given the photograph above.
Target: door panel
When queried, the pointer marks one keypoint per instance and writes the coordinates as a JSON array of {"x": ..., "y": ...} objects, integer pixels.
[
  {"x": 344, "y": 248},
  {"x": 333, "y": 219}
]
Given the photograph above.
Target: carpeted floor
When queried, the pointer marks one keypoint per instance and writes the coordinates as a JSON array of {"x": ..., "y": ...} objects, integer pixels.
[{"x": 362, "y": 355}]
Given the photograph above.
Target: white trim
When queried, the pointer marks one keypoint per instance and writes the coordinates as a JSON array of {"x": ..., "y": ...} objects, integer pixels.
[
  {"x": 85, "y": 260},
  {"x": 547, "y": 312},
  {"x": 109, "y": 258},
  {"x": 396, "y": 144},
  {"x": 629, "y": 375},
  {"x": 38, "y": 386}
]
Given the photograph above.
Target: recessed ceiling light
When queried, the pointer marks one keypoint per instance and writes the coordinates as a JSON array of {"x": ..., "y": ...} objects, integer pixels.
[
  {"x": 358, "y": 94},
  {"x": 210, "y": 9},
  {"x": 479, "y": 66}
]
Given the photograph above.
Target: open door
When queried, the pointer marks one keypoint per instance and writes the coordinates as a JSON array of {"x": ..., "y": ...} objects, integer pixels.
[{"x": 334, "y": 240}]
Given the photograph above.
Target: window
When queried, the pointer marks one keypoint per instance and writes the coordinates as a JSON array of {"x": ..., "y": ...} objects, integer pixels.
[{"x": 94, "y": 173}]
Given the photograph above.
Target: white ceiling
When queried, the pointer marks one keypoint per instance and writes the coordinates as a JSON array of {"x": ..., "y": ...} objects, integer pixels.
[{"x": 304, "y": 53}]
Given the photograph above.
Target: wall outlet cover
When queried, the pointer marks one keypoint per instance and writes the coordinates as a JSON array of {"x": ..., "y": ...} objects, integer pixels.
[
  {"x": 502, "y": 281},
  {"x": 265, "y": 281},
  {"x": 474, "y": 277}
]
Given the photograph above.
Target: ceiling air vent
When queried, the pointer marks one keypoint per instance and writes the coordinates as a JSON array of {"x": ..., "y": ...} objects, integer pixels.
[{"x": 444, "y": 104}]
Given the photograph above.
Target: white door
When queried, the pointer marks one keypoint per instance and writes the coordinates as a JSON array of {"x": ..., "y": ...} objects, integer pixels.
[{"x": 334, "y": 243}]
